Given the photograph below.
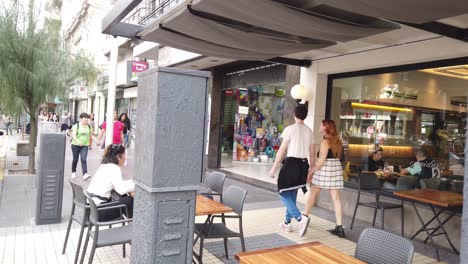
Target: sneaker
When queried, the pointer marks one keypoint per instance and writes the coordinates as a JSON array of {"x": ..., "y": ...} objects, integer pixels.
[
  {"x": 338, "y": 231},
  {"x": 285, "y": 227},
  {"x": 73, "y": 176},
  {"x": 303, "y": 224},
  {"x": 86, "y": 176}
]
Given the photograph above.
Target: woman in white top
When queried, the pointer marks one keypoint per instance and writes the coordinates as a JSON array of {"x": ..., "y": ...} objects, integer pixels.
[{"x": 109, "y": 177}]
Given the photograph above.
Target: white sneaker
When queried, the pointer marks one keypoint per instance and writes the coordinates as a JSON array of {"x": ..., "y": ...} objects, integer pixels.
[
  {"x": 86, "y": 176},
  {"x": 286, "y": 227},
  {"x": 303, "y": 224},
  {"x": 73, "y": 176}
]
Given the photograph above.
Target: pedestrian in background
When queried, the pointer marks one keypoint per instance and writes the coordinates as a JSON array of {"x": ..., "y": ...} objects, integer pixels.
[
  {"x": 8, "y": 124},
  {"x": 327, "y": 173},
  {"x": 127, "y": 127},
  {"x": 91, "y": 124},
  {"x": 117, "y": 133},
  {"x": 64, "y": 122},
  {"x": 296, "y": 147},
  {"x": 81, "y": 133}
]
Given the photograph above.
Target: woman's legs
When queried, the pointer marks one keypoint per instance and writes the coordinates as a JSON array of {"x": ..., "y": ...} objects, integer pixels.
[
  {"x": 312, "y": 199},
  {"x": 336, "y": 198},
  {"x": 84, "y": 157},
  {"x": 76, "y": 152},
  {"x": 110, "y": 214}
]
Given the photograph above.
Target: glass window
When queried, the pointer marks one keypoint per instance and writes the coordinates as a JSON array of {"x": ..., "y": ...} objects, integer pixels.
[{"x": 388, "y": 122}]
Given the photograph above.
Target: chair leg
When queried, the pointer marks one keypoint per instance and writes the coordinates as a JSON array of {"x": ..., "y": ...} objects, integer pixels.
[
  {"x": 85, "y": 246},
  {"x": 375, "y": 216},
  {"x": 123, "y": 250},
  {"x": 200, "y": 254},
  {"x": 355, "y": 210},
  {"x": 77, "y": 254},
  {"x": 67, "y": 234},
  {"x": 93, "y": 250},
  {"x": 226, "y": 248},
  {"x": 402, "y": 221},
  {"x": 382, "y": 222}
]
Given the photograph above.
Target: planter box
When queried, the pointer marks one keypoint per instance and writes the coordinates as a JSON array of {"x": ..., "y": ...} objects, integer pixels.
[{"x": 22, "y": 148}]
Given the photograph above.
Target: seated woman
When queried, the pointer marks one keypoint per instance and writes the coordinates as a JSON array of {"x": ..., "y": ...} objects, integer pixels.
[
  {"x": 375, "y": 161},
  {"x": 109, "y": 177}
]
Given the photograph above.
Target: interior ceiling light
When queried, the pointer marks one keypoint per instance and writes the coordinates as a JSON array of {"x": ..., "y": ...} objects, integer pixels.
[
  {"x": 380, "y": 107},
  {"x": 458, "y": 71}
]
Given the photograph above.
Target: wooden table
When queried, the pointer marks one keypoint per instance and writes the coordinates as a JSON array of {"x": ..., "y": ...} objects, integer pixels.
[
  {"x": 445, "y": 201},
  {"x": 313, "y": 252},
  {"x": 208, "y": 207}
]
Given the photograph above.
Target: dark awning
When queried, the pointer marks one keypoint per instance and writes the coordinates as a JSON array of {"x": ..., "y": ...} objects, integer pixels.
[{"x": 257, "y": 30}]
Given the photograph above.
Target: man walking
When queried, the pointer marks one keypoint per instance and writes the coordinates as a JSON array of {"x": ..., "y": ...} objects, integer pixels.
[
  {"x": 297, "y": 147},
  {"x": 8, "y": 126}
]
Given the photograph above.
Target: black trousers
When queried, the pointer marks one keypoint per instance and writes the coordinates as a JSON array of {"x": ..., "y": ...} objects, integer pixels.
[{"x": 107, "y": 215}]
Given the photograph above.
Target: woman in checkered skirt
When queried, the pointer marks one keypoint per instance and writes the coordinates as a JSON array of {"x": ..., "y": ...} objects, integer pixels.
[{"x": 327, "y": 173}]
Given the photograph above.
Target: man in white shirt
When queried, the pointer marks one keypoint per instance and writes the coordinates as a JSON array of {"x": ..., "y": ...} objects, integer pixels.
[{"x": 297, "y": 147}]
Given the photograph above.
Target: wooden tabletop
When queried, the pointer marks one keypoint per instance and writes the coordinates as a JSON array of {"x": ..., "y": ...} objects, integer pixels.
[
  {"x": 435, "y": 197},
  {"x": 313, "y": 252},
  {"x": 207, "y": 206}
]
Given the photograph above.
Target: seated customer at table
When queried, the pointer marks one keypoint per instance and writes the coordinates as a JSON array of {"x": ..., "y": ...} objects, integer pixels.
[
  {"x": 109, "y": 177},
  {"x": 422, "y": 168},
  {"x": 375, "y": 161}
]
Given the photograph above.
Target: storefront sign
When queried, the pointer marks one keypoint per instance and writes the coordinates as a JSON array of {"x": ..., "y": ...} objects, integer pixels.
[
  {"x": 138, "y": 66},
  {"x": 243, "y": 110},
  {"x": 370, "y": 130},
  {"x": 229, "y": 92}
]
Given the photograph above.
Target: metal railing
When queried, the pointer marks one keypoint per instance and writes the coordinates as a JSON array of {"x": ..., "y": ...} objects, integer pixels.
[{"x": 144, "y": 14}]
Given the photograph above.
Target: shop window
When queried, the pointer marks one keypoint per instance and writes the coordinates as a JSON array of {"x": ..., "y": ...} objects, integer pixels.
[{"x": 402, "y": 113}]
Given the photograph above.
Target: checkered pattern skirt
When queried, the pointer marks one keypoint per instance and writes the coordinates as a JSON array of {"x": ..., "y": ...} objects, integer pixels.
[{"x": 330, "y": 175}]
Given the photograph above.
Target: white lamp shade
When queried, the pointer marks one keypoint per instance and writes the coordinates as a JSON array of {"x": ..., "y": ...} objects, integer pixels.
[{"x": 299, "y": 92}]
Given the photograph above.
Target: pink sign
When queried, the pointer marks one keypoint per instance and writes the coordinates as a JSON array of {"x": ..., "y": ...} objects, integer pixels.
[{"x": 138, "y": 66}]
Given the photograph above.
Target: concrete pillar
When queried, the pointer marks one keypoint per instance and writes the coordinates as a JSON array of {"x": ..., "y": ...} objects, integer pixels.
[
  {"x": 114, "y": 54},
  {"x": 169, "y": 157},
  {"x": 292, "y": 78},
  {"x": 317, "y": 85}
]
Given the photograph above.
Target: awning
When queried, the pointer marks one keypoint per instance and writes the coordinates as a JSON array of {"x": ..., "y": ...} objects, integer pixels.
[
  {"x": 255, "y": 30},
  {"x": 411, "y": 11}
]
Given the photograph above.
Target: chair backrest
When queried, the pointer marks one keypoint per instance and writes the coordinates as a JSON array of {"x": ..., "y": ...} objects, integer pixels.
[
  {"x": 215, "y": 180},
  {"x": 381, "y": 247},
  {"x": 78, "y": 196},
  {"x": 234, "y": 197},
  {"x": 93, "y": 217},
  {"x": 368, "y": 181},
  {"x": 406, "y": 183},
  {"x": 429, "y": 184}
]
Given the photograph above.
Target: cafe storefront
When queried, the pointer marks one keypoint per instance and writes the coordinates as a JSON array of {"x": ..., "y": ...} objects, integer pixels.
[{"x": 401, "y": 110}]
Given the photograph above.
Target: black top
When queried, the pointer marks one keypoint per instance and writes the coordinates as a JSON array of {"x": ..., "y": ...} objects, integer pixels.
[
  {"x": 330, "y": 154},
  {"x": 375, "y": 165}
]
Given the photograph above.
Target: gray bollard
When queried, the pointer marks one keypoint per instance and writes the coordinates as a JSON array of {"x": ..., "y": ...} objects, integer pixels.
[
  {"x": 169, "y": 157},
  {"x": 50, "y": 174}
]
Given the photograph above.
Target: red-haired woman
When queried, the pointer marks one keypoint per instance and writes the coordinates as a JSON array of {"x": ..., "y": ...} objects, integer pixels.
[{"x": 327, "y": 173}]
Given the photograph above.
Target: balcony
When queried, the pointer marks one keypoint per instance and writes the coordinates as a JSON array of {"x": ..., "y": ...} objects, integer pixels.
[{"x": 146, "y": 12}]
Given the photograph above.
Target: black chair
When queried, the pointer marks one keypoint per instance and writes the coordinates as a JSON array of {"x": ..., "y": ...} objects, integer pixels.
[
  {"x": 403, "y": 183},
  {"x": 429, "y": 183},
  {"x": 376, "y": 246},
  {"x": 234, "y": 197},
  {"x": 120, "y": 235},
  {"x": 369, "y": 183}
]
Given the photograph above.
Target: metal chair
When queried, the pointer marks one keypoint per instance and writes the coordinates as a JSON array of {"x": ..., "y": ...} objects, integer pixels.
[
  {"x": 215, "y": 180},
  {"x": 429, "y": 183},
  {"x": 369, "y": 183},
  {"x": 120, "y": 235},
  {"x": 406, "y": 183},
  {"x": 79, "y": 200},
  {"x": 234, "y": 197},
  {"x": 376, "y": 246}
]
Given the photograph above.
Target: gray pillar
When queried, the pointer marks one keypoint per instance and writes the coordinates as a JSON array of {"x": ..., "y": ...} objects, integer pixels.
[
  {"x": 50, "y": 173},
  {"x": 169, "y": 157},
  {"x": 215, "y": 120},
  {"x": 293, "y": 74}
]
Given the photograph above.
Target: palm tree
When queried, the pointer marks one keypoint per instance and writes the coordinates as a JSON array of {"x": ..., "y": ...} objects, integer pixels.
[{"x": 35, "y": 65}]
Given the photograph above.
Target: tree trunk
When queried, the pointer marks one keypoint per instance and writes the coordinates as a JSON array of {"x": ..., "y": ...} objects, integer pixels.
[{"x": 32, "y": 145}]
